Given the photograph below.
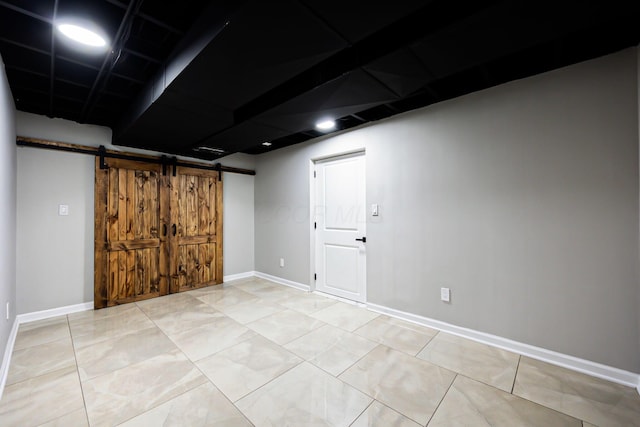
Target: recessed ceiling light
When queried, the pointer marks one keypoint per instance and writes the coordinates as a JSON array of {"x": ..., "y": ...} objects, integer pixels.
[
  {"x": 326, "y": 124},
  {"x": 266, "y": 144},
  {"x": 82, "y": 35}
]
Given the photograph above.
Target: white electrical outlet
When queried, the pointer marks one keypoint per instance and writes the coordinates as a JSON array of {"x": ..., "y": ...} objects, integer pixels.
[
  {"x": 445, "y": 294},
  {"x": 281, "y": 262},
  {"x": 63, "y": 210}
]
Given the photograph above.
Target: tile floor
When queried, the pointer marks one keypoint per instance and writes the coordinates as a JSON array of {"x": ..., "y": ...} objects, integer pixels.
[{"x": 252, "y": 352}]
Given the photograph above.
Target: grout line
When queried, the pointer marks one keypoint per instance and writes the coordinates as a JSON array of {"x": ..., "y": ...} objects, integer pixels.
[
  {"x": 75, "y": 358},
  {"x": 358, "y": 361},
  {"x": 444, "y": 396},
  {"x": 425, "y": 346},
  {"x": 302, "y": 361},
  {"x": 363, "y": 411},
  {"x": 516, "y": 375}
]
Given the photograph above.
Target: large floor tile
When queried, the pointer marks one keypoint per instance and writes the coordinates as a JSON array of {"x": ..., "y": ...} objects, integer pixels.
[
  {"x": 87, "y": 333},
  {"x": 41, "y": 332},
  {"x": 306, "y": 303},
  {"x": 200, "y": 407},
  {"x": 379, "y": 415},
  {"x": 189, "y": 317},
  {"x": 227, "y": 298},
  {"x": 481, "y": 362},
  {"x": 304, "y": 396},
  {"x": 597, "y": 401},
  {"x": 40, "y": 359},
  {"x": 397, "y": 334},
  {"x": 471, "y": 403},
  {"x": 331, "y": 349},
  {"x": 74, "y": 419},
  {"x": 123, "y": 394},
  {"x": 252, "y": 284},
  {"x": 173, "y": 303},
  {"x": 248, "y": 312},
  {"x": 116, "y": 353},
  {"x": 345, "y": 316},
  {"x": 103, "y": 313},
  {"x": 275, "y": 293},
  {"x": 210, "y": 338},
  {"x": 285, "y": 326},
  {"x": 408, "y": 385},
  {"x": 247, "y": 366},
  {"x": 41, "y": 399}
]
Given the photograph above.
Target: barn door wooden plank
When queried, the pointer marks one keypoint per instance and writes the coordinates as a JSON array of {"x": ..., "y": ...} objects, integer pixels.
[
  {"x": 192, "y": 206},
  {"x": 101, "y": 261},
  {"x": 163, "y": 233},
  {"x": 203, "y": 206},
  {"x": 131, "y": 274},
  {"x": 130, "y": 203},
  {"x": 218, "y": 227}
]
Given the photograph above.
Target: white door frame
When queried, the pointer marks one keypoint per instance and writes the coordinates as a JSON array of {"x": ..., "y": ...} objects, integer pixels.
[{"x": 312, "y": 207}]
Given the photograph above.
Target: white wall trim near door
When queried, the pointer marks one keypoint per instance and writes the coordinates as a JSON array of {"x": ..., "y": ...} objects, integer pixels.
[
  {"x": 6, "y": 360},
  {"x": 594, "y": 369},
  {"x": 282, "y": 281},
  {"x": 60, "y": 311}
]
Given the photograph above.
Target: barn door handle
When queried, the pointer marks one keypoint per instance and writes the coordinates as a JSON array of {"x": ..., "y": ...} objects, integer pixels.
[
  {"x": 173, "y": 229},
  {"x": 164, "y": 229},
  {"x": 363, "y": 240}
]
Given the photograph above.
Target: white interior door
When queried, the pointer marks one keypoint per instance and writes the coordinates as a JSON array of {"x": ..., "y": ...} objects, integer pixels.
[{"x": 340, "y": 218}]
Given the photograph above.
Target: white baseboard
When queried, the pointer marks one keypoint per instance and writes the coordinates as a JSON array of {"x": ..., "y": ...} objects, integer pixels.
[
  {"x": 282, "y": 281},
  {"x": 60, "y": 311},
  {"x": 238, "y": 276},
  {"x": 6, "y": 360},
  {"x": 570, "y": 362}
]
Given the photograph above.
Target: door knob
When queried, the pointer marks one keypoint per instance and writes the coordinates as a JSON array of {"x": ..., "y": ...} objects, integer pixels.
[{"x": 363, "y": 240}]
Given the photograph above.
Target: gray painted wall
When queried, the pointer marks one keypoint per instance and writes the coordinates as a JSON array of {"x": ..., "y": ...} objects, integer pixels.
[
  {"x": 638, "y": 308},
  {"x": 55, "y": 253},
  {"x": 238, "y": 211},
  {"x": 8, "y": 211},
  {"x": 523, "y": 199}
]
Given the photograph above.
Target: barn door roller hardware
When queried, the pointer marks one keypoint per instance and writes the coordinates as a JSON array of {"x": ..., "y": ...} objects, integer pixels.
[{"x": 103, "y": 154}]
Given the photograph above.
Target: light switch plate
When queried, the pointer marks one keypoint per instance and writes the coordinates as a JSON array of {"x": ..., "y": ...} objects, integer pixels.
[
  {"x": 445, "y": 294},
  {"x": 374, "y": 209},
  {"x": 63, "y": 210}
]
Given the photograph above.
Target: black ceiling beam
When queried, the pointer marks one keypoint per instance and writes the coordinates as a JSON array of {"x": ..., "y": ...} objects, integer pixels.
[
  {"x": 52, "y": 54},
  {"x": 26, "y": 12},
  {"x": 116, "y": 40},
  {"x": 69, "y": 82},
  {"x": 428, "y": 20},
  {"x": 70, "y": 60},
  {"x": 26, "y": 70},
  {"x": 148, "y": 18},
  {"x": 24, "y": 46},
  {"x": 141, "y": 55}
]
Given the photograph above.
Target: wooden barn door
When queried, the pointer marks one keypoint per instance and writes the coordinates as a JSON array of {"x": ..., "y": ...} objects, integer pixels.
[
  {"x": 131, "y": 258},
  {"x": 155, "y": 233},
  {"x": 196, "y": 230}
]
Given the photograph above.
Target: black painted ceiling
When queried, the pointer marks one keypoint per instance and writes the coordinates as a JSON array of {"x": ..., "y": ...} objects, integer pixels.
[{"x": 210, "y": 78}]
